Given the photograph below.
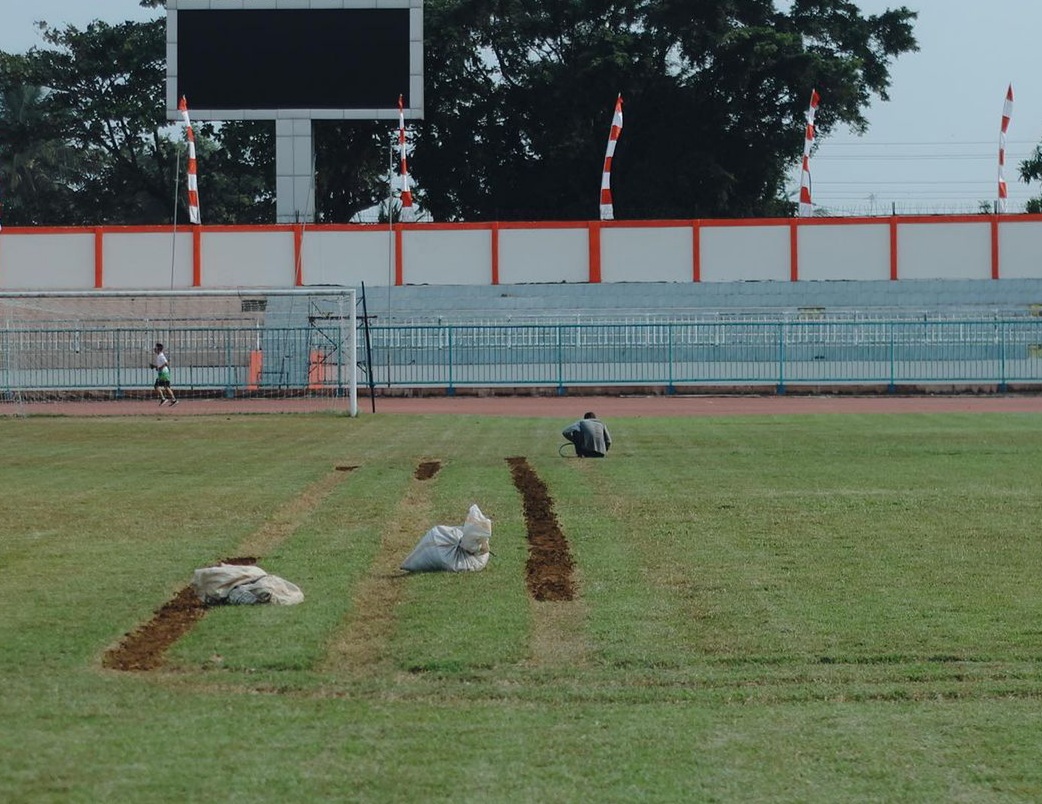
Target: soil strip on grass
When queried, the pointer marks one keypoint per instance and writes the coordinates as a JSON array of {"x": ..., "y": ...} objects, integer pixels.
[
  {"x": 558, "y": 637},
  {"x": 427, "y": 469},
  {"x": 549, "y": 570},
  {"x": 361, "y": 644},
  {"x": 144, "y": 648}
]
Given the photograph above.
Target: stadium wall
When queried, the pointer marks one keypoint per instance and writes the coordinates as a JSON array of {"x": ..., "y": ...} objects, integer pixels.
[{"x": 974, "y": 247}]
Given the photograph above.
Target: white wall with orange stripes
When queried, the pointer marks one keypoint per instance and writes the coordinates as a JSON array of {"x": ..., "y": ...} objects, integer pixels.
[{"x": 776, "y": 250}]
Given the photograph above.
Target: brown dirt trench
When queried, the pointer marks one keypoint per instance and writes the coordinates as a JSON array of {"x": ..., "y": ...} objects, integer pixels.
[{"x": 549, "y": 573}]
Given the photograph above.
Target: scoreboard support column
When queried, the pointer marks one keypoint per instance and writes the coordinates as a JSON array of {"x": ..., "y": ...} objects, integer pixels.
[{"x": 294, "y": 171}]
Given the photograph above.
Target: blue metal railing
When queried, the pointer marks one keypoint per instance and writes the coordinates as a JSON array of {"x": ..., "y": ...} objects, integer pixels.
[
  {"x": 718, "y": 353},
  {"x": 739, "y": 353}
]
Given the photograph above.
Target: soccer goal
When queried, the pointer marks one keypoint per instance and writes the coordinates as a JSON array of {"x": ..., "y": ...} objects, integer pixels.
[{"x": 296, "y": 347}]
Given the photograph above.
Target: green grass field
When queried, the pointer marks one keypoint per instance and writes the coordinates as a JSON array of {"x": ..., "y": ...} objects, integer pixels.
[{"x": 818, "y": 608}]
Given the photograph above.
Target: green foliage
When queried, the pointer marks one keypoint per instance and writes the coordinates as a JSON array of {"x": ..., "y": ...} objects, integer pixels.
[
  {"x": 821, "y": 608},
  {"x": 1031, "y": 170},
  {"x": 237, "y": 162},
  {"x": 37, "y": 166},
  {"x": 518, "y": 99},
  {"x": 715, "y": 93},
  {"x": 102, "y": 99},
  {"x": 352, "y": 165},
  {"x": 84, "y": 138}
]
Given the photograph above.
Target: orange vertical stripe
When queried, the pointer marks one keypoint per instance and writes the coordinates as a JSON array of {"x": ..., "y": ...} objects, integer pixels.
[
  {"x": 399, "y": 274},
  {"x": 99, "y": 258},
  {"x": 495, "y": 253},
  {"x": 197, "y": 257},
  {"x": 316, "y": 365},
  {"x": 995, "y": 247},
  {"x": 256, "y": 366},
  {"x": 893, "y": 248},
  {"x": 794, "y": 251},
  {"x": 298, "y": 254},
  {"x": 696, "y": 251},
  {"x": 595, "y": 252}
]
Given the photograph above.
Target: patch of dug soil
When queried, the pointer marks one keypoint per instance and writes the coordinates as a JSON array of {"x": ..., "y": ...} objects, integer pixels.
[
  {"x": 427, "y": 470},
  {"x": 143, "y": 648},
  {"x": 550, "y": 567}
]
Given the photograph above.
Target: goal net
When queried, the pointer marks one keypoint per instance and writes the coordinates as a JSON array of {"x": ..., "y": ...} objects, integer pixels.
[{"x": 270, "y": 349}]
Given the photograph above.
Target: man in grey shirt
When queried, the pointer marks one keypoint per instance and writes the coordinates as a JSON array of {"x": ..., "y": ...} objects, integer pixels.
[{"x": 589, "y": 436}]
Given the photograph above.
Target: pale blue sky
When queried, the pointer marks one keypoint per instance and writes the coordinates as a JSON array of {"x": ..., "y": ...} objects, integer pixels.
[{"x": 932, "y": 148}]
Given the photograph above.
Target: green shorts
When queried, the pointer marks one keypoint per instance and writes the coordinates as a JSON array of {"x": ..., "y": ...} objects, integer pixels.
[{"x": 163, "y": 378}]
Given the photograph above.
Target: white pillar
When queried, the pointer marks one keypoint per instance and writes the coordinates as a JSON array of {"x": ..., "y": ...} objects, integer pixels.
[{"x": 294, "y": 172}]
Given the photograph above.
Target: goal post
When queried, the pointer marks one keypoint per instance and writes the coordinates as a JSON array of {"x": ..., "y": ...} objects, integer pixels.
[{"x": 296, "y": 345}]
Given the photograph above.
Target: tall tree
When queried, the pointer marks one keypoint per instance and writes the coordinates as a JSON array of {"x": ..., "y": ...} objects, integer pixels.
[
  {"x": 519, "y": 101},
  {"x": 95, "y": 145},
  {"x": 351, "y": 168},
  {"x": 104, "y": 100},
  {"x": 36, "y": 165},
  {"x": 84, "y": 137}
]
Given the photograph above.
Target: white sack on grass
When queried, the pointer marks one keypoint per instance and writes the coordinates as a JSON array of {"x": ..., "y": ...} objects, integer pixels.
[
  {"x": 269, "y": 589},
  {"x": 462, "y": 548},
  {"x": 243, "y": 584}
]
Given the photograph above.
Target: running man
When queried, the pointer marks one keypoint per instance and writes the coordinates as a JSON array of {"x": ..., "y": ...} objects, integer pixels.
[{"x": 162, "y": 367}]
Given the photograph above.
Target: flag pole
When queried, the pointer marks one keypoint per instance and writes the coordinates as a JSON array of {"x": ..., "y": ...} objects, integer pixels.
[
  {"x": 607, "y": 205},
  {"x": 1007, "y": 113},
  {"x": 177, "y": 193},
  {"x": 403, "y": 167},
  {"x": 806, "y": 205}
]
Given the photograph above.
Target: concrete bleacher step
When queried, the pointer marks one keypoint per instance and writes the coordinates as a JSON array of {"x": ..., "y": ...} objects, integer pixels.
[{"x": 630, "y": 301}]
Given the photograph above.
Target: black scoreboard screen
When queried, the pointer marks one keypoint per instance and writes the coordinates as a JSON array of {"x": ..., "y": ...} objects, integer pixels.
[{"x": 328, "y": 62}]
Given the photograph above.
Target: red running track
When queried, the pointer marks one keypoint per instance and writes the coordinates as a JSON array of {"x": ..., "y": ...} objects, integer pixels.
[{"x": 558, "y": 407}]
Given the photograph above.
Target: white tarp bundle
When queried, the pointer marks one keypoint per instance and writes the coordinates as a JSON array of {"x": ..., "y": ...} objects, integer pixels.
[
  {"x": 244, "y": 585},
  {"x": 460, "y": 548}
]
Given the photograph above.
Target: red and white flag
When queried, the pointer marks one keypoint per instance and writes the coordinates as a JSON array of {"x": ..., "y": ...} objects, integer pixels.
[
  {"x": 403, "y": 167},
  {"x": 607, "y": 207},
  {"x": 193, "y": 185},
  {"x": 1007, "y": 112},
  {"x": 806, "y": 205}
]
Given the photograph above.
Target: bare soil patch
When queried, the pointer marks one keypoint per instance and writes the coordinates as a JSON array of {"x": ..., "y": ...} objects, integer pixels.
[
  {"x": 427, "y": 470},
  {"x": 144, "y": 647},
  {"x": 550, "y": 569}
]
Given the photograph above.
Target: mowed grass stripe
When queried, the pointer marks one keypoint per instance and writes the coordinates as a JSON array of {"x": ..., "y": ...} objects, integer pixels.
[
  {"x": 900, "y": 552},
  {"x": 558, "y": 639},
  {"x": 360, "y": 647},
  {"x": 327, "y": 555},
  {"x": 469, "y": 622},
  {"x": 144, "y": 647},
  {"x": 290, "y": 516}
]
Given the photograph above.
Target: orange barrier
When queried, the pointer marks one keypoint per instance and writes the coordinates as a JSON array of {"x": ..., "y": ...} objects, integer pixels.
[
  {"x": 316, "y": 369},
  {"x": 256, "y": 364}
]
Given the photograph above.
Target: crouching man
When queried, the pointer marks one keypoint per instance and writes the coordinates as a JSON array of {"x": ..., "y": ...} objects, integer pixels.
[{"x": 589, "y": 436}]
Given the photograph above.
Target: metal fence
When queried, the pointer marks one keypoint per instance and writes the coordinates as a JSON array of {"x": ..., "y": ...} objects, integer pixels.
[
  {"x": 719, "y": 353},
  {"x": 736, "y": 353},
  {"x": 229, "y": 361}
]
